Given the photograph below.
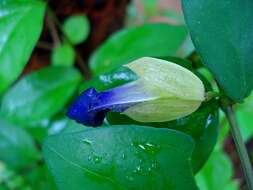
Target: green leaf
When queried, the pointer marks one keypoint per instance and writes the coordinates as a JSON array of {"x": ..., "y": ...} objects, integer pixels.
[
  {"x": 147, "y": 40},
  {"x": 20, "y": 27},
  {"x": 224, "y": 42},
  {"x": 202, "y": 126},
  {"x": 218, "y": 163},
  {"x": 63, "y": 55},
  {"x": 16, "y": 146},
  {"x": 122, "y": 158},
  {"x": 76, "y": 28},
  {"x": 40, "y": 95}
]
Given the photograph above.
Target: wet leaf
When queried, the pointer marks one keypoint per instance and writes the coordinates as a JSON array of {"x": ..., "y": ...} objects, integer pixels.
[
  {"x": 202, "y": 126},
  {"x": 122, "y": 158}
]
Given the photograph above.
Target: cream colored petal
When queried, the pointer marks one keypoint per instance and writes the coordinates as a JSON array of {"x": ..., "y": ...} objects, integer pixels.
[
  {"x": 169, "y": 79},
  {"x": 162, "y": 110}
]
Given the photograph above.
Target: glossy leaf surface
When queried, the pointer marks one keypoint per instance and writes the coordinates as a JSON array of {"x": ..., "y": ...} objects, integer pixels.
[
  {"x": 20, "y": 27},
  {"x": 202, "y": 126},
  {"x": 222, "y": 32},
  {"x": 40, "y": 95},
  {"x": 121, "y": 158}
]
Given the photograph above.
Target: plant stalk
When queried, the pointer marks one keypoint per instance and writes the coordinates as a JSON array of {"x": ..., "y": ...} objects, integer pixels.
[
  {"x": 240, "y": 147},
  {"x": 79, "y": 59}
]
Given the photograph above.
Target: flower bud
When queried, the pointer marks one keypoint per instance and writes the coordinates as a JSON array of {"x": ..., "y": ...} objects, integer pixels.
[
  {"x": 164, "y": 91},
  {"x": 176, "y": 91}
]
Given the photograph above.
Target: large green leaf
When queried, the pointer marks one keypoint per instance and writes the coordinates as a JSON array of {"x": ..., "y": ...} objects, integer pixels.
[
  {"x": 121, "y": 158},
  {"x": 40, "y": 95},
  {"x": 132, "y": 43},
  {"x": 222, "y": 32},
  {"x": 73, "y": 126},
  {"x": 16, "y": 146},
  {"x": 202, "y": 126},
  {"x": 20, "y": 27}
]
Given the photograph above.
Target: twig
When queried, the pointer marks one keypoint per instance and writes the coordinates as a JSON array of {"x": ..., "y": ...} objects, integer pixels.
[
  {"x": 79, "y": 60},
  {"x": 52, "y": 28},
  {"x": 44, "y": 45},
  {"x": 240, "y": 146}
]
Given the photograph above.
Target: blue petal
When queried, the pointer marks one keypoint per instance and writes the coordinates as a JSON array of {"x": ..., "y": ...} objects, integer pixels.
[
  {"x": 80, "y": 109},
  {"x": 91, "y": 107}
]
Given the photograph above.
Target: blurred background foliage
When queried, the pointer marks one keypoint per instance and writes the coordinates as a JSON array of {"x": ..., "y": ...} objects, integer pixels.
[{"x": 83, "y": 40}]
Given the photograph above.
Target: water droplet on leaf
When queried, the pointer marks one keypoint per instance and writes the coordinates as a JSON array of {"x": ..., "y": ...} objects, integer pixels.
[
  {"x": 87, "y": 141},
  {"x": 97, "y": 159},
  {"x": 124, "y": 156},
  {"x": 149, "y": 148},
  {"x": 129, "y": 178}
]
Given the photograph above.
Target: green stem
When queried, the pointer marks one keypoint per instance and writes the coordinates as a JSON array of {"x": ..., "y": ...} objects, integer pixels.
[
  {"x": 210, "y": 95},
  {"x": 240, "y": 146}
]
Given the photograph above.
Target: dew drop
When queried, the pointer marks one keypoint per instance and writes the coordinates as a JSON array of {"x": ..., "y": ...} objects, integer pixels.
[
  {"x": 97, "y": 159},
  {"x": 129, "y": 178},
  {"x": 154, "y": 165},
  {"x": 142, "y": 146},
  {"x": 148, "y": 147},
  {"x": 138, "y": 170},
  {"x": 124, "y": 156},
  {"x": 87, "y": 141},
  {"x": 152, "y": 148}
]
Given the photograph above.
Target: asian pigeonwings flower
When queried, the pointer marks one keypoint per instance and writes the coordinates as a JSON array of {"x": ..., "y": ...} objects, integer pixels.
[{"x": 164, "y": 91}]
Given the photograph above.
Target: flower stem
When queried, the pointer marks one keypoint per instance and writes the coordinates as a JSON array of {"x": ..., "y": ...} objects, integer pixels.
[
  {"x": 210, "y": 95},
  {"x": 240, "y": 146}
]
